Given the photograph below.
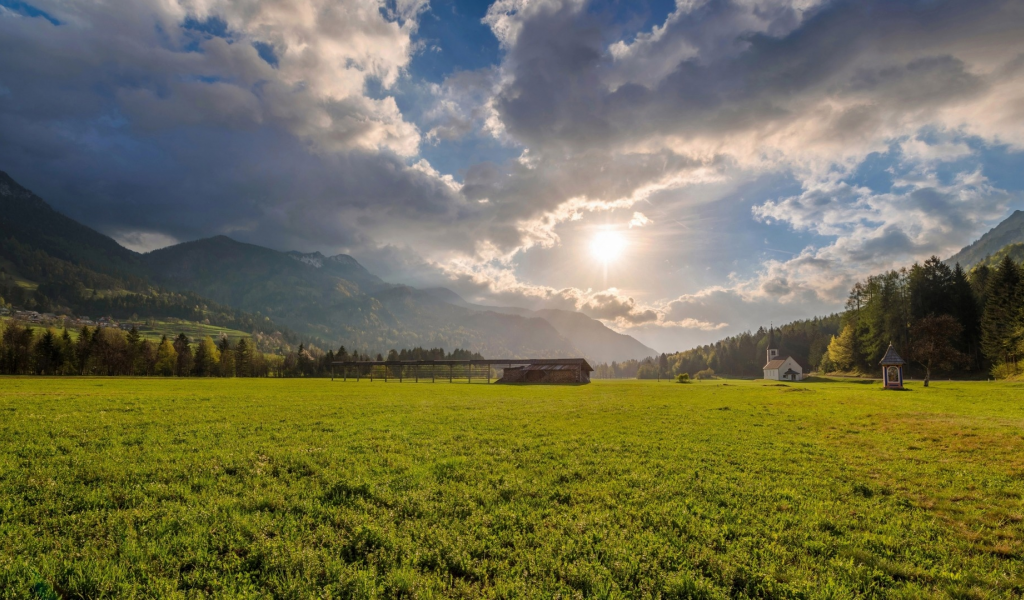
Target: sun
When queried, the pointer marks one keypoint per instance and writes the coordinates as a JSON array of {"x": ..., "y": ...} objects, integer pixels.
[{"x": 608, "y": 246}]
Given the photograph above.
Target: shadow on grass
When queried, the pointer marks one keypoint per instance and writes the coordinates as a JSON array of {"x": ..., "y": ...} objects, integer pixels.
[{"x": 820, "y": 379}]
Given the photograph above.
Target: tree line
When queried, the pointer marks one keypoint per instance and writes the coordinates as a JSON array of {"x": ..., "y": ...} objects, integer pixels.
[
  {"x": 313, "y": 362},
  {"x": 108, "y": 351},
  {"x": 939, "y": 318}
]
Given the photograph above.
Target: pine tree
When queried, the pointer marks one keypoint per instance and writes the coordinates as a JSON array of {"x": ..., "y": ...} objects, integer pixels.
[
  {"x": 243, "y": 359},
  {"x": 965, "y": 308},
  {"x": 67, "y": 348},
  {"x": 134, "y": 341},
  {"x": 183, "y": 367},
  {"x": 226, "y": 367},
  {"x": 1000, "y": 322},
  {"x": 47, "y": 354},
  {"x": 83, "y": 349}
]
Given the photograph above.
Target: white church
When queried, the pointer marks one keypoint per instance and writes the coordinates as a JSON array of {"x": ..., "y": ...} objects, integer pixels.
[{"x": 778, "y": 368}]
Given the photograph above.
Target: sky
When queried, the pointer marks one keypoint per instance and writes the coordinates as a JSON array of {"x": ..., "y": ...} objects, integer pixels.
[{"x": 682, "y": 171}]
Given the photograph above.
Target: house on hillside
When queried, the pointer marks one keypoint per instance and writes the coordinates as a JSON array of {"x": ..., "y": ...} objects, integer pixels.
[{"x": 781, "y": 368}]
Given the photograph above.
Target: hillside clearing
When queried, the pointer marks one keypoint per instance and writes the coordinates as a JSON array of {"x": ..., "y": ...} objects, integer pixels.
[{"x": 297, "y": 488}]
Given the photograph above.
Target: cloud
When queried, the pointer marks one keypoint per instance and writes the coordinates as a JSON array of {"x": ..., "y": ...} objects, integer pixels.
[
  {"x": 281, "y": 122},
  {"x": 639, "y": 220},
  {"x": 804, "y": 83},
  {"x": 876, "y": 232},
  {"x": 167, "y": 65},
  {"x": 144, "y": 241}
]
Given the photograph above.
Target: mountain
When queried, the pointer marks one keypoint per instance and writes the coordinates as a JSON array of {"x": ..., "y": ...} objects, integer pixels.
[
  {"x": 51, "y": 263},
  {"x": 27, "y": 218},
  {"x": 1010, "y": 231},
  {"x": 1014, "y": 251},
  {"x": 597, "y": 342},
  {"x": 602, "y": 345},
  {"x": 334, "y": 299}
]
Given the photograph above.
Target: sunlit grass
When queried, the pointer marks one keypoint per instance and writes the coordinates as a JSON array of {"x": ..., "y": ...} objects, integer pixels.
[{"x": 298, "y": 488}]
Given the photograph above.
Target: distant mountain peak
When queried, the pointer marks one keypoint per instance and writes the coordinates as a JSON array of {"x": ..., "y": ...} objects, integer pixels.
[
  {"x": 313, "y": 259},
  {"x": 1009, "y": 231}
]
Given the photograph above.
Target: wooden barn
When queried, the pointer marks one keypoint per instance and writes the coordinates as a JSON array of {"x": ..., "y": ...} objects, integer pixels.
[
  {"x": 514, "y": 370},
  {"x": 549, "y": 371}
]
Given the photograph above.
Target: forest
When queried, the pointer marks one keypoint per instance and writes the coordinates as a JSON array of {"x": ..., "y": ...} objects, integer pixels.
[
  {"x": 25, "y": 350},
  {"x": 940, "y": 318}
]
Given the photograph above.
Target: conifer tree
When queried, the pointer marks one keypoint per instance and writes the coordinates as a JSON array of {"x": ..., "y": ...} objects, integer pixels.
[
  {"x": 183, "y": 367},
  {"x": 226, "y": 367},
  {"x": 83, "y": 349},
  {"x": 1001, "y": 320},
  {"x": 134, "y": 341},
  {"x": 967, "y": 313},
  {"x": 243, "y": 359},
  {"x": 67, "y": 347}
]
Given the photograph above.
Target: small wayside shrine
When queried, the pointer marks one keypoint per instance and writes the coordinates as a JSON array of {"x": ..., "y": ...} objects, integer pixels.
[{"x": 892, "y": 369}]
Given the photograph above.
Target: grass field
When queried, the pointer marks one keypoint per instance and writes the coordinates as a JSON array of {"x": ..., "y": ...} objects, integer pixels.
[
  {"x": 154, "y": 331},
  {"x": 308, "y": 488}
]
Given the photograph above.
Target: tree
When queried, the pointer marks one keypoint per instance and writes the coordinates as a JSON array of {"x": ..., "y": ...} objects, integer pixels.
[
  {"x": 207, "y": 358},
  {"x": 145, "y": 363},
  {"x": 964, "y": 305},
  {"x": 932, "y": 346},
  {"x": 166, "y": 358},
  {"x": 1001, "y": 317},
  {"x": 930, "y": 285},
  {"x": 243, "y": 359},
  {"x": 183, "y": 366},
  {"x": 67, "y": 349},
  {"x": 662, "y": 365},
  {"x": 226, "y": 368},
  {"x": 134, "y": 342},
  {"x": 83, "y": 349},
  {"x": 47, "y": 353},
  {"x": 842, "y": 350}
]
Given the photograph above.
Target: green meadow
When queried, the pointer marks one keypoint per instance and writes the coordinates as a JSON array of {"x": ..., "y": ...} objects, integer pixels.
[
  {"x": 171, "y": 488},
  {"x": 155, "y": 330}
]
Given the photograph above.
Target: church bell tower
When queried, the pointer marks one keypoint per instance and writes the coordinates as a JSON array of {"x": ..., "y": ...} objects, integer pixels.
[{"x": 773, "y": 352}]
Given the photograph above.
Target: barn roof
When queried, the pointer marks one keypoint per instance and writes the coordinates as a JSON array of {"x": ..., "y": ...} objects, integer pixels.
[
  {"x": 891, "y": 357},
  {"x": 573, "y": 362},
  {"x": 558, "y": 367}
]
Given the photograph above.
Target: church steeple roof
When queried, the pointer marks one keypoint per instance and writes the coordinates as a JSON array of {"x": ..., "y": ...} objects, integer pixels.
[{"x": 771, "y": 336}]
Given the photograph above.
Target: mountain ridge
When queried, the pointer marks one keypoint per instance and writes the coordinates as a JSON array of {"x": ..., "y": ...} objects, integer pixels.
[
  {"x": 330, "y": 298},
  {"x": 1009, "y": 231}
]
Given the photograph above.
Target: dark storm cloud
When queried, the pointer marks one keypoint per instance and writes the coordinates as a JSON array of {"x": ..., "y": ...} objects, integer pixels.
[{"x": 135, "y": 120}]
